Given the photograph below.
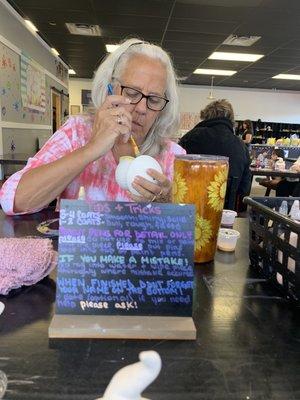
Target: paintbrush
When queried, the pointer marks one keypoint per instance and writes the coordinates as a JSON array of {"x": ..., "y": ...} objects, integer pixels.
[{"x": 135, "y": 147}]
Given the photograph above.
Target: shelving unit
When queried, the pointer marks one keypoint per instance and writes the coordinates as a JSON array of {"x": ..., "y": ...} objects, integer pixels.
[{"x": 264, "y": 130}]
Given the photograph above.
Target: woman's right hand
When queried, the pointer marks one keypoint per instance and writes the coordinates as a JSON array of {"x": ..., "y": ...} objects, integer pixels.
[{"x": 111, "y": 121}]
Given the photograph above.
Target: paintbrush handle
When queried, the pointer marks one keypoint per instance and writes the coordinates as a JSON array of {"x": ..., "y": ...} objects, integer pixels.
[{"x": 135, "y": 147}]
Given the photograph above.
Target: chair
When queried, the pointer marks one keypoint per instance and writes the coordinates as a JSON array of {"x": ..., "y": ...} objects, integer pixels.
[{"x": 269, "y": 184}]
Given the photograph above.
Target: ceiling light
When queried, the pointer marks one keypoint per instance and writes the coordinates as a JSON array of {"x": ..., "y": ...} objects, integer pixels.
[
  {"x": 111, "y": 47},
  {"x": 214, "y": 72},
  {"x": 31, "y": 25},
  {"x": 219, "y": 55},
  {"x": 72, "y": 72},
  {"x": 54, "y": 51},
  {"x": 83, "y": 29},
  {"x": 287, "y": 76},
  {"x": 234, "y": 40}
]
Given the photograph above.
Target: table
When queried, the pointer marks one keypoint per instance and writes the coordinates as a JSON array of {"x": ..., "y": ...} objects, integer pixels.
[
  {"x": 247, "y": 347},
  {"x": 272, "y": 173},
  {"x": 13, "y": 159}
]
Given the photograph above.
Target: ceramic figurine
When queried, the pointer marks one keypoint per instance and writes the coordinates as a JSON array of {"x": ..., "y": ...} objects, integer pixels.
[
  {"x": 129, "y": 167},
  {"x": 129, "y": 382},
  {"x": 121, "y": 171}
]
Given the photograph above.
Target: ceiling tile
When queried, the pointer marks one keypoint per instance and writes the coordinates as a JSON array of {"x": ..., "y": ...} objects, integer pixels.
[{"x": 190, "y": 30}]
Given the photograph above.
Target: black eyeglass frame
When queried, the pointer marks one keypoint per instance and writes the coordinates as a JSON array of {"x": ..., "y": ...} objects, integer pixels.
[{"x": 146, "y": 97}]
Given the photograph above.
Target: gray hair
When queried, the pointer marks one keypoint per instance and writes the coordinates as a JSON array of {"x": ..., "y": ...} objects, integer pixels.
[
  {"x": 218, "y": 109},
  {"x": 167, "y": 121}
]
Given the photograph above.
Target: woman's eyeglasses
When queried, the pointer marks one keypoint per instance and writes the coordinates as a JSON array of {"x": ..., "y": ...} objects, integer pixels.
[{"x": 154, "y": 103}]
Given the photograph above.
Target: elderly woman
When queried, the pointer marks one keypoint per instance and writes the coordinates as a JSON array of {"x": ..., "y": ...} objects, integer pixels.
[{"x": 134, "y": 93}]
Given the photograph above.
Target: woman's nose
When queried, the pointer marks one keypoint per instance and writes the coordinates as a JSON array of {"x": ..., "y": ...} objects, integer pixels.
[{"x": 141, "y": 106}]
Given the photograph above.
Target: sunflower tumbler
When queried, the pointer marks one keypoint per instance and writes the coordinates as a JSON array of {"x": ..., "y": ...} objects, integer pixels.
[{"x": 202, "y": 180}]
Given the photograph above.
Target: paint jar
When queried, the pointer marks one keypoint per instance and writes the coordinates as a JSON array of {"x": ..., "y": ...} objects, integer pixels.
[
  {"x": 228, "y": 217},
  {"x": 202, "y": 180},
  {"x": 227, "y": 239}
]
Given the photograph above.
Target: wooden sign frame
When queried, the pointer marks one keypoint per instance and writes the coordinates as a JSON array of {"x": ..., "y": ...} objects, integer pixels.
[{"x": 121, "y": 327}]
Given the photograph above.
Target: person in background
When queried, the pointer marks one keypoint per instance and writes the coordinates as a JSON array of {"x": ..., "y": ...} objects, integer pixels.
[
  {"x": 289, "y": 186},
  {"x": 248, "y": 132},
  {"x": 276, "y": 154},
  {"x": 215, "y": 135},
  {"x": 135, "y": 96},
  {"x": 273, "y": 182}
]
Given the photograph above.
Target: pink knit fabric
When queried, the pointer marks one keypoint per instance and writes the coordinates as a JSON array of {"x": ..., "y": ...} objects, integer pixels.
[{"x": 24, "y": 262}]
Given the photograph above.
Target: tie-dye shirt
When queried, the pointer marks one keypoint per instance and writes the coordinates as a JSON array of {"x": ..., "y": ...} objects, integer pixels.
[{"x": 97, "y": 179}]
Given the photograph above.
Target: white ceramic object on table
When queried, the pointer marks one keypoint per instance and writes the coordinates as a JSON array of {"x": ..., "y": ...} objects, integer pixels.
[
  {"x": 129, "y": 382},
  {"x": 227, "y": 239},
  {"x": 280, "y": 164},
  {"x": 3, "y": 384},
  {"x": 139, "y": 167},
  {"x": 121, "y": 171}
]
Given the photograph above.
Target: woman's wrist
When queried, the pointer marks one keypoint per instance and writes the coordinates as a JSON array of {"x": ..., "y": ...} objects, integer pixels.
[{"x": 90, "y": 153}]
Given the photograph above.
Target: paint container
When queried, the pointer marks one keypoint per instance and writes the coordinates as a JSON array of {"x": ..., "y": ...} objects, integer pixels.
[
  {"x": 228, "y": 217},
  {"x": 227, "y": 239}
]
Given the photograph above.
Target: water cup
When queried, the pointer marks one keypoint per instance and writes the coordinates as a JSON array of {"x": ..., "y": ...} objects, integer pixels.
[
  {"x": 202, "y": 180},
  {"x": 228, "y": 217},
  {"x": 227, "y": 239}
]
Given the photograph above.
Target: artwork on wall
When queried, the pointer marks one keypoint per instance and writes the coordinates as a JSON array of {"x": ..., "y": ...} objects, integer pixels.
[
  {"x": 75, "y": 109},
  {"x": 188, "y": 120},
  {"x": 33, "y": 85},
  {"x": 61, "y": 71},
  {"x": 86, "y": 97}
]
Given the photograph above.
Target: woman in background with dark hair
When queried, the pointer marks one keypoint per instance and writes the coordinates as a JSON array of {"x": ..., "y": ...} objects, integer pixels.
[{"x": 248, "y": 132}]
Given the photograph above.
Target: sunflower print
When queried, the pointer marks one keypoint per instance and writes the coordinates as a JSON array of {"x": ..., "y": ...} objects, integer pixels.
[
  {"x": 217, "y": 190},
  {"x": 179, "y": 188},
  {"x": 203, "y": 232}
]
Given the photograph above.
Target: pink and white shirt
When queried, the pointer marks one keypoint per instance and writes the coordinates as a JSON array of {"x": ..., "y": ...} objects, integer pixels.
[{"x": 98, "y": 178}]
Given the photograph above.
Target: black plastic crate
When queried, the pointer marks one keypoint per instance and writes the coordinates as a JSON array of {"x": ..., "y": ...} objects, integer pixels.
[{"x": 274, "y": 247}]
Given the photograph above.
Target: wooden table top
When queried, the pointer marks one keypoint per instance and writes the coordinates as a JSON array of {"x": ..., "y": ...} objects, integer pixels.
[{"x": 247, "y": 347}]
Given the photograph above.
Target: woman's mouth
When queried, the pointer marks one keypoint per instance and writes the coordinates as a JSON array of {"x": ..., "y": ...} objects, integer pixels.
[{"x": 137, "y": 124}]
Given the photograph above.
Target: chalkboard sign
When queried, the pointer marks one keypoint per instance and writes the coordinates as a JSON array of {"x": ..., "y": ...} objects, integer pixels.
[{"x": 125, "y": 259}]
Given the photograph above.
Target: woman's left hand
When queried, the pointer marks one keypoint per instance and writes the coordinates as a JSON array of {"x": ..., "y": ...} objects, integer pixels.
[{"x": 159, "y": 191}]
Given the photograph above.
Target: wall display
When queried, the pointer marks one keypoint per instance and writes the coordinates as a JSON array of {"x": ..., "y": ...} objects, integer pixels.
[
  {"x": 12, "y": 109},
  {"x": 75, "y": 109},
  {"x": 86, "y": 97},
  {"x": 125, "y": 259},
  {"x": 61, "y": 72},
  {"x": 188, "y": 120},
  {"x": 33, "y": 85}
]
